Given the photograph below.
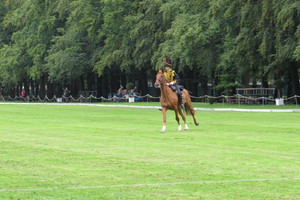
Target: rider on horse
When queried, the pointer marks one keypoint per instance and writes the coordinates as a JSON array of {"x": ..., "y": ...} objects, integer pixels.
[{"x": 172, "y": 79}]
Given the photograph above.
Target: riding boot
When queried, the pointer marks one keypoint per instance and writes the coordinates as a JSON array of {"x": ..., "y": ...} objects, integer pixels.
[{"x": 179, "y": 97}]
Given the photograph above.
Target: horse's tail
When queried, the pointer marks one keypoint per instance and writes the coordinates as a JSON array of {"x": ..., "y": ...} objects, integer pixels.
[{"x": 188, "y": 110}]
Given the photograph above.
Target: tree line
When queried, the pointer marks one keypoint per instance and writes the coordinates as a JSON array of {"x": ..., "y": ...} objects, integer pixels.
[{"x": 46, "y": 45}]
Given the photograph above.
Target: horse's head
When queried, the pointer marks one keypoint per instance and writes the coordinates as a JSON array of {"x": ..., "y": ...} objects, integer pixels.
[{"x": 160, "y": 79}]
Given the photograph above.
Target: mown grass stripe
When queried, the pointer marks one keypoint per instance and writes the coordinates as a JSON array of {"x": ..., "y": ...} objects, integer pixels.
[
  {"x": 158, "y": 107},
  {"x": 147, "y": 184}
]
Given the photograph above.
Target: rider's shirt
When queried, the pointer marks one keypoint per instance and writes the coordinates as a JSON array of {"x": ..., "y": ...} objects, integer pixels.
[{"x": 170, "y": 75}]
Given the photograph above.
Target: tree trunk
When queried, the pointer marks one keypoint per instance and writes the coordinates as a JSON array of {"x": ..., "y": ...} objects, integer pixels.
[
  {"x": 99, "y": 87},
  {"x": 36, "y": 89},
  {"x": 75, "y": 87},
  {"x": 245, "y": 80},
  {"x": 264, "y": 82},
  {"x": 294, "y": 88},
  {"x": 50, "y": 90},
  {"x": 12, "y": 92},
  {"x": 42, "y": 91}
]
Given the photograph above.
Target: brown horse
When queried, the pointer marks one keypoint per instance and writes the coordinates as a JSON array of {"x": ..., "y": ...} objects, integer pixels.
[{"x": 169, "y": 100}]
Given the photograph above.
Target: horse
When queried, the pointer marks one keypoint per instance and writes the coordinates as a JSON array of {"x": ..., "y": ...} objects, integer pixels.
[{"x": 169, "y": 101}]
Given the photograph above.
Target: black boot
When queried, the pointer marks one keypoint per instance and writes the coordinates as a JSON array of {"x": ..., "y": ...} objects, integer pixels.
[{"x": 179, "y": 97}]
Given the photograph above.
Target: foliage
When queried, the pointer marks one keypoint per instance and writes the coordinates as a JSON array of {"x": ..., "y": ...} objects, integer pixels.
[{"x": 67, "y": 41}]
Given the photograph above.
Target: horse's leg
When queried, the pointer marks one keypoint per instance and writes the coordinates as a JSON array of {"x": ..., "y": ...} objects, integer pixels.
[
  {"x": 193, "y": 113},
  {"x": 177, "y": 119},
  {"x": 184, "y": 120},
  {"x": 195, "y": 121},
  {"x": 188, "y": 102},
  {"x": 164, "y": 112}
]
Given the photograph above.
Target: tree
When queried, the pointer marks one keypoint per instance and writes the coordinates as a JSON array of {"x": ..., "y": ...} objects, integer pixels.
[
  {"x": 287, "y": 23},
  {"x": 99, "y": 44}
]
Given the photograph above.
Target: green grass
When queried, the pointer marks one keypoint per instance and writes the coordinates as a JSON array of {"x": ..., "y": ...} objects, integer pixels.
[
  {"x": 195, "y": 104},
  {"x": 109, "y": 150}
]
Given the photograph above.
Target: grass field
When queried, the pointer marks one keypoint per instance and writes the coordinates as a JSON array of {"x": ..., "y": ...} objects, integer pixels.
[
  {"x": 195, "y": 104},
  {"x": 85, "y": 152}
]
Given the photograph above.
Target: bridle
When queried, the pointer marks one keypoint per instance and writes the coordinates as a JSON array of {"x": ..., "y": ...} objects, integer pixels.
[{"x": 160, "y": 80}]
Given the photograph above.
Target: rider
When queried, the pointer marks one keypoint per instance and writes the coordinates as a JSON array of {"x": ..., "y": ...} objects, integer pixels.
[{"x": 172, "y": 79}]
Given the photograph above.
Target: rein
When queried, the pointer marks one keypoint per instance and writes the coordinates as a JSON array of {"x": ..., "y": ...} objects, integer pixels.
[{"x": 160, "y": 81}]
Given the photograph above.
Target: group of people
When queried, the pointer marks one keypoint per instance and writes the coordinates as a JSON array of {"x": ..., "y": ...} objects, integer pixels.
[{"x": 123, "y": 92}]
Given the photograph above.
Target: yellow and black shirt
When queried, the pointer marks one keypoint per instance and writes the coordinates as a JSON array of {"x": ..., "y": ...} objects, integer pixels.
[{"x": 171, "y": 76}]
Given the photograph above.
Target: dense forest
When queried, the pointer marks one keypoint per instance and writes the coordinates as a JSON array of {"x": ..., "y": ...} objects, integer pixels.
[{"x": 96, "y": 45}]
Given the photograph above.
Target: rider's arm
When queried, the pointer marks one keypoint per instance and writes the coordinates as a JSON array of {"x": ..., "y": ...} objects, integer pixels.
[{"x": 176, "y": 78}]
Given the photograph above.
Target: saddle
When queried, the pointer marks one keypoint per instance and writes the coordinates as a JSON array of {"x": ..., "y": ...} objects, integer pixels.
[{"x": 173, "y": 87}]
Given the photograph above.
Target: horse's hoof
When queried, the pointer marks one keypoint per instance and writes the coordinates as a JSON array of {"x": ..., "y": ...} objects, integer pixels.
[
  {"x": 179, "y": 128},
  {"x": 197, "y": 124},
  {"x": 186, "y": 129},
  {"x": 162, "y": 131}
]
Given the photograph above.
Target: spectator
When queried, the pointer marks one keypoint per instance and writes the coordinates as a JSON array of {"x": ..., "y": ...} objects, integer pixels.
[
  {"x": 120, "y": 91},
  {"x": 24, "y": 95},
  {"x": 66, "y": 94},
  {"x": 135, "y": 91}
]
